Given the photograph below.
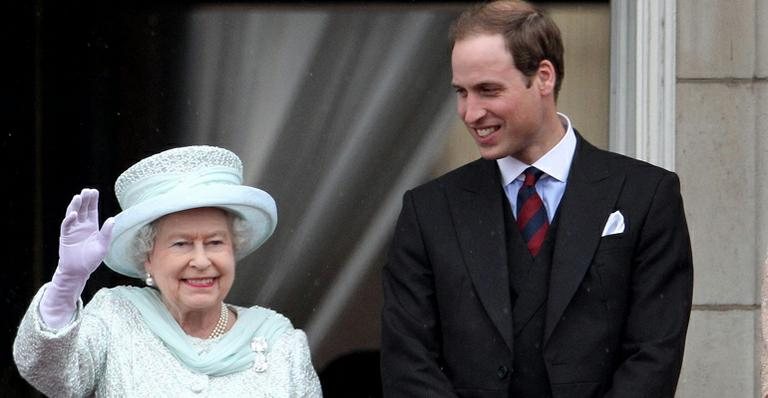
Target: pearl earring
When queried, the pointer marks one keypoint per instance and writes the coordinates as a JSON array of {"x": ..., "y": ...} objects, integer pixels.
[{"x": 149, "y": 281}]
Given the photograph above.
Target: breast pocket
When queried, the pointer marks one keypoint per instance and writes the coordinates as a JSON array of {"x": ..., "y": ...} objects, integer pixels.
[{"x": 622, "y": 241}]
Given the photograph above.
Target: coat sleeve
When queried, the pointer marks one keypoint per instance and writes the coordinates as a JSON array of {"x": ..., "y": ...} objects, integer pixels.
[
  {"x": 303, "y": 380},
  {"x": 410, "y": 342},
  {"x": 59, "y": 362},
  {"x": 659, "y": 300}
]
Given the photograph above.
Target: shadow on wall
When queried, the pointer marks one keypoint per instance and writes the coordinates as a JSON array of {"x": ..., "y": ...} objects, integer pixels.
[{"x": 356, "y": 374}]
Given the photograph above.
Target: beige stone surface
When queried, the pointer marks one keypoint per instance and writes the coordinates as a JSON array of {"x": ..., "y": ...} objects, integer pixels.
[
  {"x": 761, "y": 348},
  {"x": 761, "y": 117},
  {"x": 716, "y": 38},
  {"x": 585, "y": 94},
  {"x": 761, "y": 69},
  {"x": 762, "y": 219},
  {"x": 715, "y": 152},
  {"x": 719, "y": 355}
]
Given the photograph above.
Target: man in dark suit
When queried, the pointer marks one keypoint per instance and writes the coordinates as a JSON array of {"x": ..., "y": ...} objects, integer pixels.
[{"x": 548, "y": 268}]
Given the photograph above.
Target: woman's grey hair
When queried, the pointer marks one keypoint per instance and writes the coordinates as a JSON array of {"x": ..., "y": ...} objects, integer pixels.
[{"x": 145, "y": 237}]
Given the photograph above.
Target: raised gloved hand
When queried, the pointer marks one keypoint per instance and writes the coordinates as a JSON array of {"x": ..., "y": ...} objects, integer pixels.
[{"x": 82, "y": 247}]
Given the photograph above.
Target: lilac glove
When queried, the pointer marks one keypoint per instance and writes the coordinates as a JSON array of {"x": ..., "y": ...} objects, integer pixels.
[{"x": 82, "y": 247}]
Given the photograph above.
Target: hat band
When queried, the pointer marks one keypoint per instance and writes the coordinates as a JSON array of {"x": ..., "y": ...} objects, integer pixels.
[{"x": 162, "y": 184}]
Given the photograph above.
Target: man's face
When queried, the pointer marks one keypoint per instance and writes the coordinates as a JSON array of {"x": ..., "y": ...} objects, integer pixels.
[{"x": 503, "y": 109}]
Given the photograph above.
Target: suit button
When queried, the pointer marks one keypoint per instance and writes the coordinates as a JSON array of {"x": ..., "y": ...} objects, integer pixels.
[{"x": 502, "y": 372}]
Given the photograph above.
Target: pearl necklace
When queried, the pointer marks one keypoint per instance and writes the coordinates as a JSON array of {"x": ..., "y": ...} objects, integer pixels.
[{"x": 221, "y": 324}]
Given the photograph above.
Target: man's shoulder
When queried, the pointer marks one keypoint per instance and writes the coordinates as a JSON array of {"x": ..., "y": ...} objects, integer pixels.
[{"x": 615, "y": 162}]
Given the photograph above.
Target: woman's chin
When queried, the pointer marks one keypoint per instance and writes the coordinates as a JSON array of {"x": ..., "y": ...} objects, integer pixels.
[
  {"x": 200, "y": 304},
  {"x": 197, "y": 300}
]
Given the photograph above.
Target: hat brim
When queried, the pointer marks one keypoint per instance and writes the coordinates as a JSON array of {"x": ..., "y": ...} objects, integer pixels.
[{"x": 255, "y": 206}]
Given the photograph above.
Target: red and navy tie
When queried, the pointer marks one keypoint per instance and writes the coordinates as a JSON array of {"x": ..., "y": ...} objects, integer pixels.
[{"x": 531, "y": 214}]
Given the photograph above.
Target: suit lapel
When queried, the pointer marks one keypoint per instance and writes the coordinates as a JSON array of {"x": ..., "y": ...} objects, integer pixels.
[
  {"x": 589, "y": 198},
  {"x": 476, "y": 207}
]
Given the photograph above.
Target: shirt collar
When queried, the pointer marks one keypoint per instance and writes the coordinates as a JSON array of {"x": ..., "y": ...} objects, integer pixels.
[{"x": 556, "y": 163}]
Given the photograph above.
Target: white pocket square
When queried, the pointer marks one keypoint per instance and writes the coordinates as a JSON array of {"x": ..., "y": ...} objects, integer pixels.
[{"x": 615, "y": 224}]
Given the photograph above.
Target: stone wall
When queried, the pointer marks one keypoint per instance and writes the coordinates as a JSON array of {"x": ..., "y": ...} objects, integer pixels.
[{"x": 722, "y": 159}]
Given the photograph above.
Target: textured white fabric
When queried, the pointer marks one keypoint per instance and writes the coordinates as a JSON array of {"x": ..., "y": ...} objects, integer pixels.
[{"x": 107, "y": 351}]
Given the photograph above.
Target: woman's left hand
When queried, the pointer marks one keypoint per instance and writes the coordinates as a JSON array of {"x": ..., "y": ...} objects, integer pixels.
[{"x": 82, "y": 247}]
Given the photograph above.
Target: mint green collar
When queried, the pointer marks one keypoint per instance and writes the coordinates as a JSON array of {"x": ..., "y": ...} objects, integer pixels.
[{"x": 230, "y": 354}]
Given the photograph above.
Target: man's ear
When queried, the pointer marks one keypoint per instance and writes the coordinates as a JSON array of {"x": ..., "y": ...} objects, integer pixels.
[{"x": 546, "y": 78}]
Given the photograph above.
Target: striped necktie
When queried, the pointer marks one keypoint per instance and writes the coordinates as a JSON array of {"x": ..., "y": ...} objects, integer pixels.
[{"x": 531, "y": 214}]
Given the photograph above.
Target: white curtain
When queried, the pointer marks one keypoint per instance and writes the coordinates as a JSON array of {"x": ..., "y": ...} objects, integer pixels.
[{"x": 335, "y": 112}]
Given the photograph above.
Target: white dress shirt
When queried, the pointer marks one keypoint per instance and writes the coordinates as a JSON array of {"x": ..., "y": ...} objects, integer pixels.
[{"x": 555, "y": 164}]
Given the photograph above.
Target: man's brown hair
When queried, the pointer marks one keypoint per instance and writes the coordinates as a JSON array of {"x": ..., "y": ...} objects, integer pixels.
[{"x": 530, "y": 35}]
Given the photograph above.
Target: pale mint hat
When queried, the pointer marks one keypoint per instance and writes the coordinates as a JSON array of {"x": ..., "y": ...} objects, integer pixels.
[{"x": 181, "y": 179}]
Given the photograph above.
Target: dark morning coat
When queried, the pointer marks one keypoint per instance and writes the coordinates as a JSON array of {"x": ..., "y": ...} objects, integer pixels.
[{"x": 616, "y": 309}]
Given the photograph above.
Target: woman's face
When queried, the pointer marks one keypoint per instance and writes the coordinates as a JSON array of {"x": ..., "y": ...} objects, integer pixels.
[{"x": 192, "y": 261}]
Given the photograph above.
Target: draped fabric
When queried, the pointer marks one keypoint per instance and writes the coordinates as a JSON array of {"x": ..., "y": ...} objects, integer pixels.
[
  {"x": 334, "y": 112},
  {"x": 231, "y": 353}
]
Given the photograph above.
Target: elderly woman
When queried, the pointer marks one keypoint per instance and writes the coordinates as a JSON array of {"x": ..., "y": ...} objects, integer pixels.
[{"x": 186, "y": 219}]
